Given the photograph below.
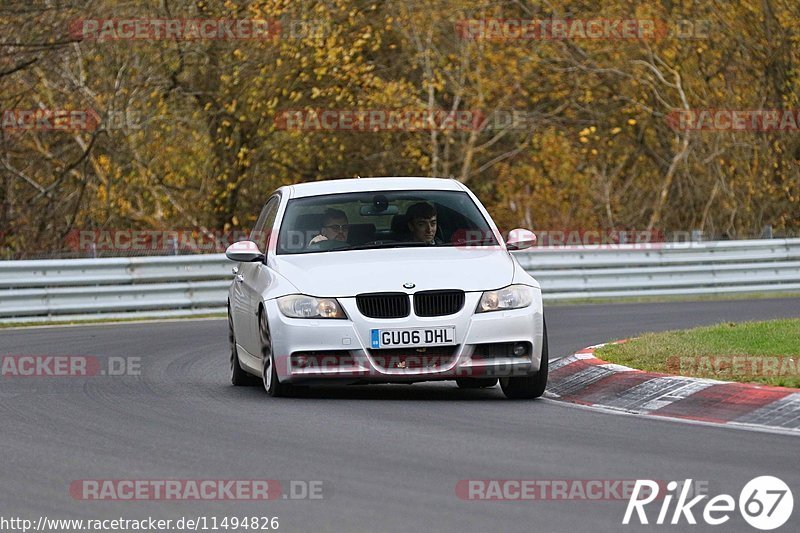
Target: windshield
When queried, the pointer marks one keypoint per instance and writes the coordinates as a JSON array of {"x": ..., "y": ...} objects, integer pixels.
[{"x": 382, "y": 219}]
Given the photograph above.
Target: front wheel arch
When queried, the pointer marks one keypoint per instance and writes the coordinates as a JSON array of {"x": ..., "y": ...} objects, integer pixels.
[
  {"x": 533, "y": 386},
  {"x": 269, "y": 374}
]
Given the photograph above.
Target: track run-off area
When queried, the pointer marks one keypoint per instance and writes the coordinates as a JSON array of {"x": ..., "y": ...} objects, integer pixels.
[{"x": 375, "y": 458}]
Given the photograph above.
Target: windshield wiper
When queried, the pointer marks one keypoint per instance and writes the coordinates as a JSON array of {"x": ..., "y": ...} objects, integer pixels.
[{"x": 383, "y": 244}]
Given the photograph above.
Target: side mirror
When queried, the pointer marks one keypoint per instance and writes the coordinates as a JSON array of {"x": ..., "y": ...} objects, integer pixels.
[
  {"x": 520, "y": 239},
  {"x": 244, "y": 252}
]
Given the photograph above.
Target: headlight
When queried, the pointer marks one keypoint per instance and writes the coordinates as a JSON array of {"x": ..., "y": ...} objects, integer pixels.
[
  {"x": 301, "y": 306},
  {"x": 511, "y": 297}
]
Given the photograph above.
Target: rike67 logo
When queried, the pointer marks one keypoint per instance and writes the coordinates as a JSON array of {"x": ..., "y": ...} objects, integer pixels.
[{"x": 765, "y": 503}]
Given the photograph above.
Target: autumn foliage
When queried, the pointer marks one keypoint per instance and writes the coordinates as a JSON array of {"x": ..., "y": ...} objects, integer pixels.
[{"x": 185, "y": 131}]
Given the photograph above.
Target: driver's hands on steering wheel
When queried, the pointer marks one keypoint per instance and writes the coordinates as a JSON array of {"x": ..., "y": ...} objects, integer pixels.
[{"x": 318, "y": 238}]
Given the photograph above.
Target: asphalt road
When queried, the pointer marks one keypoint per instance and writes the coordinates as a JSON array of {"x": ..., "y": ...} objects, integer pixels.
[{"x": 390, "y": 456}]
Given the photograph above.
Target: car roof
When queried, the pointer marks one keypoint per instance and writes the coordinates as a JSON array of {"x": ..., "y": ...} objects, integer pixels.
[{"x": 316, "y": 188}]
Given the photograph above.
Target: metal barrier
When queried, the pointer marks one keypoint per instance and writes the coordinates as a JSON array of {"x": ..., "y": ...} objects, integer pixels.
[
  {"x": 131, "y": 287},
  {"x": 78, "y": 289},
  {"x": 674, "y": 269}
]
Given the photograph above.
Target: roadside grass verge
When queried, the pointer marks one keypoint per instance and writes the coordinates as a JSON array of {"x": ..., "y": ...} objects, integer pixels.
[{"x": 748, "y": 352}]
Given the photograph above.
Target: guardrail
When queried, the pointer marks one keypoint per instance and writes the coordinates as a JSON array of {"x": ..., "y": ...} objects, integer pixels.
[{"x": 78, "y": 289}]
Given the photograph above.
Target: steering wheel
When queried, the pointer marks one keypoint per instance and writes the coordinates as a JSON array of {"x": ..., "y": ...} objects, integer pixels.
[{"x": 326, "y": 245}]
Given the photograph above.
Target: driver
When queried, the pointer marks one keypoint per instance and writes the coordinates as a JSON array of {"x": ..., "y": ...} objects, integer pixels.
[
  {"x": 334, "y": 227},
  {"x": 422, "y": 223}
]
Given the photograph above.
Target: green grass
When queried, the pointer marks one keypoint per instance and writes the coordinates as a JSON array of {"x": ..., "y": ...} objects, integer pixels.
[{"x": 749, "y": 352}]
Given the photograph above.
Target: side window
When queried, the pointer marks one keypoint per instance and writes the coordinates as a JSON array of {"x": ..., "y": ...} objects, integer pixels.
[{"x": 260, "y": 233}]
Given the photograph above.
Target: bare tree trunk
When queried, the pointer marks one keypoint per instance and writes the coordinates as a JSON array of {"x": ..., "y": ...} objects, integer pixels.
[
  {"x": 683, "y": 152},
  {"x": 432, "y": 107}
]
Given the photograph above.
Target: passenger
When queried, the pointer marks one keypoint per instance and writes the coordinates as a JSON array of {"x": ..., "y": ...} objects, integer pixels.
[
  {"x": 334, "y": 227},
  {"x": 422, "y": 223}
]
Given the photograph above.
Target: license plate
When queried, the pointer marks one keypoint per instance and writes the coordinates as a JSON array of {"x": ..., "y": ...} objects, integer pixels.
[{"x": 409, "y": 338}]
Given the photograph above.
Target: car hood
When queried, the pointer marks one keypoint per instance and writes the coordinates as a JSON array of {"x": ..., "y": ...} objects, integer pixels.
[{"x": 354, "y": 272}]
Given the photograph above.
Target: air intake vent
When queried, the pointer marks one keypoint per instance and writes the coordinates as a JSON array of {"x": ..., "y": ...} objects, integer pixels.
[
  {"x": 384, "y": 305},
  {"x": 438, "y": 303}
]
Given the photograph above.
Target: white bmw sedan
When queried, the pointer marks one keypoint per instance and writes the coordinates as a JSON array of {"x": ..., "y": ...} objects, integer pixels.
[{"x": 384, "y": 280}]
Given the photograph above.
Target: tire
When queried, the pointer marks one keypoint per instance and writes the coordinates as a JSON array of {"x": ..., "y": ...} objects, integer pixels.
[
  {"x": 239, "y": 376},
  {"x": 529, "y": 387},
  {"x": 476, "y": 383},
  {"x": 269, "y": 374}
]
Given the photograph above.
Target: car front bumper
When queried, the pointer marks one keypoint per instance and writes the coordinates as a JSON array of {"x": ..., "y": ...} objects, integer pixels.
[{"x": 311, "y": 350}]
